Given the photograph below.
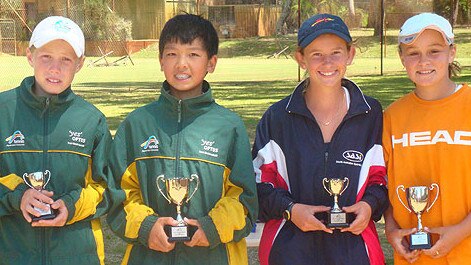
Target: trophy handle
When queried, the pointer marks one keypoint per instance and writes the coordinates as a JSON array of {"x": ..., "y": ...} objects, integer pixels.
[
  {"x": 47, "y": 174},
  {"x": 25, "y": 175},
  {"x": 192, "y": 177},
  {"x": 161, "y": 177},
  {"x": 325, "y": 180},
  {"x": 436, "y": 196},
  {"x": 399, "y": 196},
  {"x": 345, "y": 180}
]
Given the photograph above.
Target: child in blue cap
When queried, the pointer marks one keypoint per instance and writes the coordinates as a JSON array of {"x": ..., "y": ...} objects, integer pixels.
[{"x": 326, "y": 129}]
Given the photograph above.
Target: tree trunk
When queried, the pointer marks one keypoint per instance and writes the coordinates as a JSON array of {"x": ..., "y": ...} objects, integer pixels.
[
  {"x": 351, "y": 8},
  {"x": 374, "y": 18},
  {"x": 284, "y": 15},
  {"x": 455, "y": 13}
]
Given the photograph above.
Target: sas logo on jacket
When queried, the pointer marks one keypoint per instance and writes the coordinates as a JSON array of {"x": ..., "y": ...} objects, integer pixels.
[
  {"x": 16, "y": 139},
  {"x": 352, "y": 158},
  {"x": 151, "y": 144}
]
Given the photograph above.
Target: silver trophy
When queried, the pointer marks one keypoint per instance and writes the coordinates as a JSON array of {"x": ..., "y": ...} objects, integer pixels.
[{"x": 418, "y": 199}]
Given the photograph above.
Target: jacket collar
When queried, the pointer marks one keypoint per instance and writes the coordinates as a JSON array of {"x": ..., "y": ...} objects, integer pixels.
[
  {"x": 34, "y": 101},
  {"x": 190, "y": 106},
  {"x": 358, "y": 104}
]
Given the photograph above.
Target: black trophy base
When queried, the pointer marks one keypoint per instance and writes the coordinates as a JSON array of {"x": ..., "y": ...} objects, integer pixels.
[
  {"x": 177, "y": 233},
  {"x": 337, "y": 220},
  {"x": 420, "y": 240},
  {"x": 334, "y": 220},
  {"x": 44, "y": 217}
]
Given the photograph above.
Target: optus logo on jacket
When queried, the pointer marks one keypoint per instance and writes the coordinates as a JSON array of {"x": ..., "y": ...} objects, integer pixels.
[
  {"x": 76, "y": 139},
  {"x": 151, "y": 144},
  {"x": 16, "y": 139}
]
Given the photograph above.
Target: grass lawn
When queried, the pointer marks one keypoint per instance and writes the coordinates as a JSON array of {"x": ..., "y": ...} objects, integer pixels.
[{"x": 245, "y": 81}]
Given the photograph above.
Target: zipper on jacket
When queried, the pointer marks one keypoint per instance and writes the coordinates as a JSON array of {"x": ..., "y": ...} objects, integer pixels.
[
  {"x": 179, "y": 128},
  {"x": 326, "y": 156},
  {"x": 43, "y": 168}
]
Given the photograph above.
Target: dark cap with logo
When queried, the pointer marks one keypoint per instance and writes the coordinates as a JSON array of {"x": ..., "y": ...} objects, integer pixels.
[{"x": 322, "y": 24}]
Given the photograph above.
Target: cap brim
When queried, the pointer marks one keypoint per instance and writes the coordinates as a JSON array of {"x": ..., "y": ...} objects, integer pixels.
[
  {"x": 308, "y": 39},
  {"x": 410, "y": 38}
]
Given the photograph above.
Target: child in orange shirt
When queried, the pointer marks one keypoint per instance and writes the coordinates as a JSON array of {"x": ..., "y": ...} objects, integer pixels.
[{"x": 427, "y": 139}]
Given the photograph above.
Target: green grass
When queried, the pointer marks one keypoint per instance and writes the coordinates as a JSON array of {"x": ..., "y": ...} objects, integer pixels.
[{"x": 244, "y": 81}]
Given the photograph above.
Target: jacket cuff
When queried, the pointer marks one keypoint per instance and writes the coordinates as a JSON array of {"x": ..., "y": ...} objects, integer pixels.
[
  {"x": 376, "y": 196},
  {"x": 210, "y": 231},
  {"x": 146, "y": 227},
  {"x": 70, "y": 204}
]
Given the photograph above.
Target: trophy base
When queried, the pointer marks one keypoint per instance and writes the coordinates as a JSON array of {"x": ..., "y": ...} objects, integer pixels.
[
  {"x": 177, "y": 233},
  {"x": 420, "y": 240},
  {"x": 336, "y": 220},
  {"x": 45, "y": 215}
]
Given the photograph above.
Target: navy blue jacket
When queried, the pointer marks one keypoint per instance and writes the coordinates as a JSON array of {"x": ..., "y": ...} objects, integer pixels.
[{"x": 291, "y": 159}]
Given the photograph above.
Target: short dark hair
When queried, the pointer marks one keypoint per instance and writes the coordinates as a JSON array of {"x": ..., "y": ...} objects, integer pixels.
[{"x": 185, "y": 28}]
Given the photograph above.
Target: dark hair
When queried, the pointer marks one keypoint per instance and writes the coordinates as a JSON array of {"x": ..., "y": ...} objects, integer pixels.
[{"x": 185, "y": 28}]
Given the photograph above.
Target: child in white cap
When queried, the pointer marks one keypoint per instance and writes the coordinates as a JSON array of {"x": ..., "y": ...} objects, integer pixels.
[
  {"x": 53, "y": 181},
  {"x": 427, "y": 140}
]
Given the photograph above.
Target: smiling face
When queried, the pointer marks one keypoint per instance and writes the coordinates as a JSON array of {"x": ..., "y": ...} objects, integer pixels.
[
  {"x": 427, "y": 60},
  {"x": 326, "y": 59},
  {"x": 185, "y": 67},
  {"x": 55, "y": 65}
]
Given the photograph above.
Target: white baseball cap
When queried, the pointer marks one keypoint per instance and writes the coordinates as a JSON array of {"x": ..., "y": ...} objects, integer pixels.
[
  {"x": 415, "y": 25},
  {"x": 58, "y": 28}
]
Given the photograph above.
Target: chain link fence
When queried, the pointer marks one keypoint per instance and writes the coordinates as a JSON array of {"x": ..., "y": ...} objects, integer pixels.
[{"x": 121, "y": 27}]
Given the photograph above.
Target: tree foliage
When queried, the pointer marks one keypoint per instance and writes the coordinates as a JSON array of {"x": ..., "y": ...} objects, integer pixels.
[{"x": 102, "y": 23}]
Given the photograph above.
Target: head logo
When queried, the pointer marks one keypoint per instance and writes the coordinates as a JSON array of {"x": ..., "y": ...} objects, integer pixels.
[
  {"x": 152, "y": 144},
  {"x": 353, "y": 156},
  {"x": 327, "y": 19},
  {"x": 16, "y": 139}
]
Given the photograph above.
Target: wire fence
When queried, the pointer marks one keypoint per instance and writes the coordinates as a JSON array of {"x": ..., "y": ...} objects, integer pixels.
[{"x": 121, "y": 27}]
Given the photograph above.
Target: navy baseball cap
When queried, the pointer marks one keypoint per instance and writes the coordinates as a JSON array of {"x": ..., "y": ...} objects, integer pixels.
[{"x": 322, "y": 24}]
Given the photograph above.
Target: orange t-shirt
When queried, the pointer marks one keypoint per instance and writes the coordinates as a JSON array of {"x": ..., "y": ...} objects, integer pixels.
[{"x": 429, "y": 142}]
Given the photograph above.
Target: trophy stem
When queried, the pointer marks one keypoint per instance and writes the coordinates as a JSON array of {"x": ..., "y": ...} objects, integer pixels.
[
  {"x": 420, "y": 228},
  {"x": 336, "y": 208},
  {"x": 179, "y": 216}
]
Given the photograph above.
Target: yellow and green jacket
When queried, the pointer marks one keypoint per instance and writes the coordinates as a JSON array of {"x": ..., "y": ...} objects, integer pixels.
[
  {"x": 178, "y": 138},
  {"x": 69, "y": 137}
]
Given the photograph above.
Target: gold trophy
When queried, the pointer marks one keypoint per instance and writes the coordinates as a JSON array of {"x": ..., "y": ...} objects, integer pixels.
[
  {"x": 177, "y": 191},
  {"x": 336, "y": 218},
  {"x": 418, "y": 200},
  {"x": 37, "y": 181}
]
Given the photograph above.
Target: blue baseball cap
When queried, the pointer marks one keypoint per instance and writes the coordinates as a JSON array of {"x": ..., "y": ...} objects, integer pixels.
[{"x": 322, "y": 24}]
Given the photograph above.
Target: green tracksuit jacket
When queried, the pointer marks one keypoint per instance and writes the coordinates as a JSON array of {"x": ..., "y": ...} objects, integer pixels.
[
  {"x": 178, "y": 138},
  {"x": 69, "y": 137}
]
